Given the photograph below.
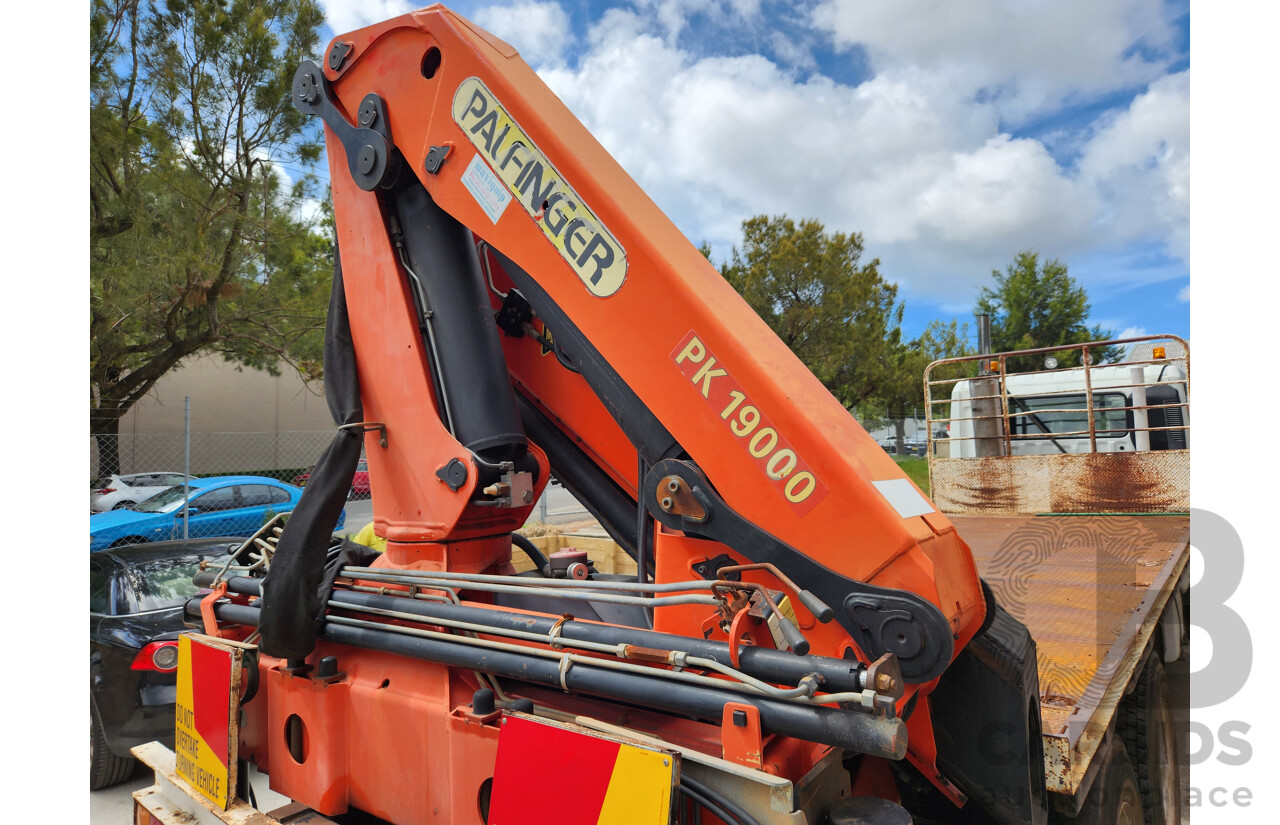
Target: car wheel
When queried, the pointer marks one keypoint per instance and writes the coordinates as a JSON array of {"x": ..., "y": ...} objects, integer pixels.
[
  {"x": 126, "y": 540},
  {"x": 122, "y": 505},
  {"x": 105, "y": 768}
]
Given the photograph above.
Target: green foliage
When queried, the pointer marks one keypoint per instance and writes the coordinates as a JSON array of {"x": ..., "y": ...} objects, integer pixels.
[
  {"x": 916, "y": 468},
  {"x": 904, "y": 392},
  {"x": 196, "y": 241},
  {"x": 837, "y": 314},
  {"x": 1037, "y": 305}
]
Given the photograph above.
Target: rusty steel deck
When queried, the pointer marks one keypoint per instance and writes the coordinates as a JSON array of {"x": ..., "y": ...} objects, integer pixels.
[
  {"x": 1091, "y": 590},
  {"x": 1148, "y": 482}
]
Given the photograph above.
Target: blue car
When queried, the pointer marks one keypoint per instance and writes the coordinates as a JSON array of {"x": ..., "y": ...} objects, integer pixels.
[{"x": 219, "y": 506}]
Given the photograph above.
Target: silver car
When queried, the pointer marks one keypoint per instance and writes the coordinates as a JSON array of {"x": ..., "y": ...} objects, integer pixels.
[{"x": 118, "y": 491}]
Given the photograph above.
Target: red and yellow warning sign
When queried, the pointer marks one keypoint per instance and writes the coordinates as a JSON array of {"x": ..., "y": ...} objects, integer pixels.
[
  {"x": 205, "y": 734},
  {"x": 582, "y": 777}
]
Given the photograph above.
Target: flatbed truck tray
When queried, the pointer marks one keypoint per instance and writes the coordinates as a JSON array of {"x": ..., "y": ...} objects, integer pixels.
[{"x": 1091, "y": 590}]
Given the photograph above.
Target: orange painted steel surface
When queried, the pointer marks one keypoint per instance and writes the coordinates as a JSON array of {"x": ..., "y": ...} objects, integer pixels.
[
  {"x": 393, "y": 737},
  {"x": 670, "y": 290}
]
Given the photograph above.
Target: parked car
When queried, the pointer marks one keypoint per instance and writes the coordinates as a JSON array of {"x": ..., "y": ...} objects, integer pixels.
[
  {"x": 359, "y": 482},
  {"x": 917, "y": 443},
  {"x": 119, "y": 491},
  {"x": 220, "y": 506},
  {"x": 135, "y": 616}
]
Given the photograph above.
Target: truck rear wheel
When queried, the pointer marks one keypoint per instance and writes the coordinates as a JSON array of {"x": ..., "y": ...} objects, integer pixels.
[
  {"x": 1114, "y": 798},
  {"x": 1145, "y": 724}
]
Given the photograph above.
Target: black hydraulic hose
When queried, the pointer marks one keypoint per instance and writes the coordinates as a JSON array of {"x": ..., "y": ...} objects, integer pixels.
[
  {"x": 852, "y": 730},
  {"x": 531, "y": 550},
  {"x": 642, "y": 518},
  {"x": 774, "y": 666},
  {"x": 715, "y": 802},
  {"x": 642, "y": 555},
  {"x": 581, "y": 476},
  {"x": 711, "y": 807}
]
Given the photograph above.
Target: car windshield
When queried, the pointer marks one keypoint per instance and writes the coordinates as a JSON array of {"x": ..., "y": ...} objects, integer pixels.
[
  {"x": 165, "y": 501},
  {"x": 162, "y": 583}
]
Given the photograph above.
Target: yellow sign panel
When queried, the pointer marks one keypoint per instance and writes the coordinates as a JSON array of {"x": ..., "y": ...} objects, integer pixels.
[
  {"x": 568, "y": 223},
  {"x": 640, "y": 789},
  {"x": 205, "y": 731}
]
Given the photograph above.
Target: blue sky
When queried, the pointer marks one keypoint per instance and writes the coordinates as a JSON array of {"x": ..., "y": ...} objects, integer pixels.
[{"x": 951, "y": 135}]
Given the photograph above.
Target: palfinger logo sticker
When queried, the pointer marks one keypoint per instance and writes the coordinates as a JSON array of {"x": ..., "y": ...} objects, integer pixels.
[{"x": 582, "y": 240}]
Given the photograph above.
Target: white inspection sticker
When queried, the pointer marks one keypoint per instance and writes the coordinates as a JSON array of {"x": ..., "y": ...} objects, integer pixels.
[
  {"x": 485, "y": 187},
  {"x": 904, "y": 497}
]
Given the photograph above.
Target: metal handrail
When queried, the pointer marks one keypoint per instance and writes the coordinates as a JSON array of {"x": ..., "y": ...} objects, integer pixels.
[{"x": 1007, "y": 417}]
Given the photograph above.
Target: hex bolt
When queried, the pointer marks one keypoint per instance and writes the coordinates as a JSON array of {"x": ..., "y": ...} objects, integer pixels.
[
  {"x": 666, "y": 503},
  {"x": 673, "y": 485},
  {"x": 528, "y": 496}
]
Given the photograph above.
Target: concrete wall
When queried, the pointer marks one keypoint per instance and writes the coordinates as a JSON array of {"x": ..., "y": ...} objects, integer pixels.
[
  {"x": 226, "y": 399},
  {"x": 243, "y": 420}
]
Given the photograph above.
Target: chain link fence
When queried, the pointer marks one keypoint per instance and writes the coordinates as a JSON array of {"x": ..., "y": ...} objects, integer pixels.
[
  {"x": 152, "y": 461},
  {"x": 882, "y": 424},
  {"x": 279, "y": 455}
]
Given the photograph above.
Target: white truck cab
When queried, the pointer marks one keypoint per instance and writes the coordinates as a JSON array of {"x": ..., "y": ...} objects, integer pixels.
[{"x": 1047, "y": 412}]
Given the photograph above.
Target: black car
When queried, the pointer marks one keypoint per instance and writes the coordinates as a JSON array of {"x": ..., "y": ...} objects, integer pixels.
[{"x": 135, "y": 617}]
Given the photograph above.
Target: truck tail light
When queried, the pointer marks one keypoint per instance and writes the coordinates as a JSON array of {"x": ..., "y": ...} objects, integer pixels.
[
  {"x": 161, "y": 657},
  {"x": 105, "y": 490}
]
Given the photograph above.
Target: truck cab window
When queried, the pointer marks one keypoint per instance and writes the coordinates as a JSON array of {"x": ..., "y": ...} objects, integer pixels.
[{"x": 1068, "y": 415}]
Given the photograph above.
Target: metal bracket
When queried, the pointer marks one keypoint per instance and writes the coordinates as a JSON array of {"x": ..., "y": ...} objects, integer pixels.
[
  {"x": 453, "y": 474},
  {"x": 368, "y": 427},
  {"x": 370, "y": 158},
  {"x": 710, "y": 569},
  {"x": 436, "y": 156},
  {"x": 206, "y": 610},
  {"x": 338, "y": 55},
  {"x": 880, "y": 620},
  {"x": 513, "y": 315},
  {"x": 741, "y": 739}
]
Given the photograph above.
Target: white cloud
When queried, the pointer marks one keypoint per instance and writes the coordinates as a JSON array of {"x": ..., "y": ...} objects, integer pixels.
[
  {"x": 310, "y": 211},
  {"x": 1140, "y": 163},
  {"x": 918, "y": 157},
  {"x": 1026, "y": 56},
  {"x": 539, "y": 31},
  {"x": 674, "y": 15},
  {"x": 791, "y": 52},
  {"x": 1184, "y": 294},
  {"x": 1006, "y": 189},
  {"x": 940, "y": 193},
  {"x": 347, "y": 15}
]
